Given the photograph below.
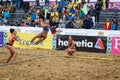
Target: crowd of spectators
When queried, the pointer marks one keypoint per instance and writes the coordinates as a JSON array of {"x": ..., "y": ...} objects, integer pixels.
[
  {"x": 5, "y": 10},
  {"x": 111, "y": 25},
  {"x": 63, "y": 14}
]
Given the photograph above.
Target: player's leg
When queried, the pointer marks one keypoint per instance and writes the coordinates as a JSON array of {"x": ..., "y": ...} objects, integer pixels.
[
  {"x": 71, "y": 51},
  {"x": 36, "y": 36},
  {"x": 14, "y": 54},
  {"x": 66, "y": 50},
  {"x": 11, "y": 53},
  {"x": 40, "y": 40}
]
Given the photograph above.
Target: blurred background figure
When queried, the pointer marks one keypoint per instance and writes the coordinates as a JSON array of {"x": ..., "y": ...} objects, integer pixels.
[
  {"x": 61, "y": 24},
  {"x": 107, "y": 4},
  {"x": 92, "y": 13},
  {"x": 70, "y": 24},
  {"x": 79, "y": 22},
  {"x": 26, "y": 6},
  {"x": 1, "y": 24},
  {"x": 98, "y": 9},
  {"x": 86, "y": 23},
  {"x": 114, "y": 24},
  {"x": 107, "y": 25}
]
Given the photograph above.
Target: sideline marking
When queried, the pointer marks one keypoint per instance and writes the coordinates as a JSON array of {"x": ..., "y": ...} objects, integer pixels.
[
  {"x": 39, "y": 56},
  {"x": 84, "y": 57},
  {"x": 97, "y": 58}
]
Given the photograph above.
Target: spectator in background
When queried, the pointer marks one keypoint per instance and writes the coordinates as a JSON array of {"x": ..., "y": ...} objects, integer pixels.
[
  {"x": 114, "y": 24},
  {"x": 33, "y": 9},
  {"x": 23, "y": 24},
  {"x": 53, "y": 25},
  {"x": 17, "y": 3},
  {"x": 107, "y": 25},
  {"x": 70, "y": 24},
  {"x": 18, "y": 23},
  {"x": 52, "y": 9},
  {"x": 65, "y": 14},
  {"x": 88, "y": 4},
  {"x": 91, "y": 21},
  {"x": 4, "y": 7},
  {"x": 46, "y": 8},
  {"x": 37, "y": 3},
  {"x": 60, "y": 12},
  {"x": 65, "y": 17},
  {"x": 12, "y": 9},
  {"x": 32, "y": 23},
  {"x": 8, "y": 3},
  {"x": 79, "y": 5},
  {"x": 2, "y": 18},
  {"x": 72, "y": 13},
  {"x": 92, "y": 13},
  {"x": 48, "y": 14},
  {"x": 1, "y": 24},
  {"x": 77, "y": 14},
  {"x": 100, "y": 2},
  {"x": 1, "y": 10},
  {"x": 28, "y": 24},
  {"x": 13, "y": 1},
  {"x": 103, "y": 4},
  {"x": 107, "y": 4},
  {"x": 86, "y": 23},
  {"x": 70, "y": 5},
  {"x": 1, "y": 2},
  {"x": 66, "y": 11},
  {"x": 56, "y": 4},
  {"x": 33, "y": 16},
  {"x": 75, "y": 4},
  {"x": 6, "y": 14},
  {"x": 63, "y": 4},
  {"x": 55, "y": 15},
  {"x": 29, "y": 18},
  {"x": 6, "y": 22},
  {"x": 26, "y": 6},
  {"x": 61, "y": 24},
  {"x": 98, "y": 9},
  {"x": 79, "y": 23}
]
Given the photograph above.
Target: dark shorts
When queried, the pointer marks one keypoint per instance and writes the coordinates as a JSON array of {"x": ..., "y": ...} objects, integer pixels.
[{"x": 9, "y": 44}]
